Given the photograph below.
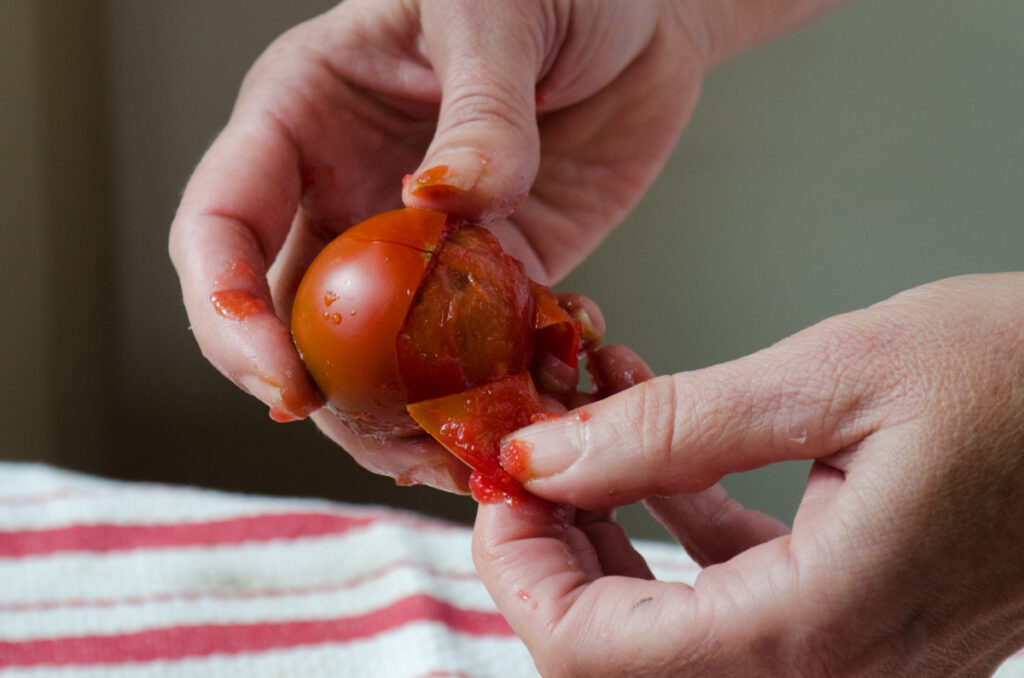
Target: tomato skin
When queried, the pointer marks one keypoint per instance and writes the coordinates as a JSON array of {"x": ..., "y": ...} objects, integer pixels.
[
  {"x": 351, "y": 305},
  {"x": 472, "y": 320}
]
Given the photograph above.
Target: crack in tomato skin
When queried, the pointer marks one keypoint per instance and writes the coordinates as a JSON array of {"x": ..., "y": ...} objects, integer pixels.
[{"x": 426, "y": 248}]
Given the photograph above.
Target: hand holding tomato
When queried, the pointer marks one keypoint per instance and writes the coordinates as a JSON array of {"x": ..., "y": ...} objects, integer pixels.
[
  {"x": 457, "y": 95},
  {"x": 460, "y": 96}
]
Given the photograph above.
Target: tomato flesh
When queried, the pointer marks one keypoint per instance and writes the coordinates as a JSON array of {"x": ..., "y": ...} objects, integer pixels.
[{"x": 473, "y": 319}]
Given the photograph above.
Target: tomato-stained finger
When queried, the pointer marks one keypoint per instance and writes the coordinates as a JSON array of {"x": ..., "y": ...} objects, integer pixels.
[{"x": 235, "y": 214}]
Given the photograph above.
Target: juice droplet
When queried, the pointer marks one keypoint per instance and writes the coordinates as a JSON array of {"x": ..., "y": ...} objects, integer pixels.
[
  {"x": 336, "y": 318},
  {"x": 330, "y": 298},
  {"x": 525, "y": 597}
]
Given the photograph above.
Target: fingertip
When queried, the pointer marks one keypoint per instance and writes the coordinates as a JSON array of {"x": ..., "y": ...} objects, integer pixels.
[
  {"x": 463, "y": 183},
  {"x": 293, "y": 399},
  {"x": 615, "y": 368},
  {"x": 543, "y": 449}
]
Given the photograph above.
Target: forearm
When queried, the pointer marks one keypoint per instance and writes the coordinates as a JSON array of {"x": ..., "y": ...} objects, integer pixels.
[{"x": 733, "y": 26}]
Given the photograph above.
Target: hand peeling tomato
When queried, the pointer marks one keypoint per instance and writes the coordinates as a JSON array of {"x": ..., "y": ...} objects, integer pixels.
[{"x": 413, "y": 319}]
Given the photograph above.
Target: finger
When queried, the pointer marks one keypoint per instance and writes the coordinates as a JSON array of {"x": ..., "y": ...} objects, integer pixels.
[
  {"x": 410, "y": 461},
  {"x": 804, "y": 398},
  {"x": 713, "y": 527},
  {"x": 541, "y": 575},
  {"x": 296, "y": 254},
  {"x": 614, "y": 368},
  {"x": 484, "y": 155},
  {"x": 553, "y": 376},
  {"x": 235, "y": 213},
  {"x": 614, "y": 550}
]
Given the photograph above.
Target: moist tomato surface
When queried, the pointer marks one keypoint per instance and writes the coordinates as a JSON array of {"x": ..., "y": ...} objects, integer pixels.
[
  {"x": 411, "y": 312},
  {"x": 473, "y": 319},
  {"x": 349, "y": 308}
]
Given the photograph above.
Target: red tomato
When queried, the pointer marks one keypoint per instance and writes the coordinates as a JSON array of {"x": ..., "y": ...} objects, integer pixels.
[
  {"x": 350, "y": 307},
  {"x": 411, "y": 308}
]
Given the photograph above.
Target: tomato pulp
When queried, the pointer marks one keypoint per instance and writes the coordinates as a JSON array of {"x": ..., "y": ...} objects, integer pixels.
[{"x": 411, "y": 321}]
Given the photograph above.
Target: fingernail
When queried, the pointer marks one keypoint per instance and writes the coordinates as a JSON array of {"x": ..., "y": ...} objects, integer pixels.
[
  {"x": 543, "y": 449},
  {"x": 286, "y": 404},
  {"x": 588, "y": 315},
  {"x": 439, "y": 182}
]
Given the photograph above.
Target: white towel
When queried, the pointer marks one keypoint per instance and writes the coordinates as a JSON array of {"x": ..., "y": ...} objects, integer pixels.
[{"x": 130, "y": 580}]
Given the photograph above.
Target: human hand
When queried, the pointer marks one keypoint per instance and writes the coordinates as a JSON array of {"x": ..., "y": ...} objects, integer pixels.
[
  {"x": 462, "y": 94},
  {"x": 905, "y": 557}
]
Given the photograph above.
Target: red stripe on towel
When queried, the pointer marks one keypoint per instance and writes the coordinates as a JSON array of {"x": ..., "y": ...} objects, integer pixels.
[
  {"x": 179, "y": 642},
  {"x": 105, "y": 537}
]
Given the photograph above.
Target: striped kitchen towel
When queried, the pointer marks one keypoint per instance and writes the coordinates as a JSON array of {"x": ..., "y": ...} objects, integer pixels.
[{"x": 128, "y": 580}]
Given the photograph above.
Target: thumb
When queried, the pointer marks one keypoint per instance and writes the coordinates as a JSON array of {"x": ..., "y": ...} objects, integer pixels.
[
  {"x": 804, "y": 398},
  {"x": 485, "y": 153}
]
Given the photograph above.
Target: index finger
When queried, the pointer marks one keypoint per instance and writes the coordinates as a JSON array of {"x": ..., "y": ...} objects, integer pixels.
[{"x": 233, "y": 219}]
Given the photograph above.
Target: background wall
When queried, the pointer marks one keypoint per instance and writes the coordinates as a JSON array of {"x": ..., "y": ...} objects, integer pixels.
[{"x": 874, "y": 150}]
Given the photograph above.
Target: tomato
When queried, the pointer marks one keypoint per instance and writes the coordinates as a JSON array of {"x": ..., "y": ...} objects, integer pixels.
[
  {"x": 349, "y": 309},
  {"x": 412, "y": 319}
]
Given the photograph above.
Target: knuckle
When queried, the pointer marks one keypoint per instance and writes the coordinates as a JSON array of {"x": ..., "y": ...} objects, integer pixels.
[
  {"x": 828, "y": 380},
  {"x": 498, "y": 104},
  {"x": 653, "y": 414}
]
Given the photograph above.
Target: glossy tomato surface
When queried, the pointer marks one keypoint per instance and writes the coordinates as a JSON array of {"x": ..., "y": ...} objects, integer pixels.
[{"x": 351, "y": 306}]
